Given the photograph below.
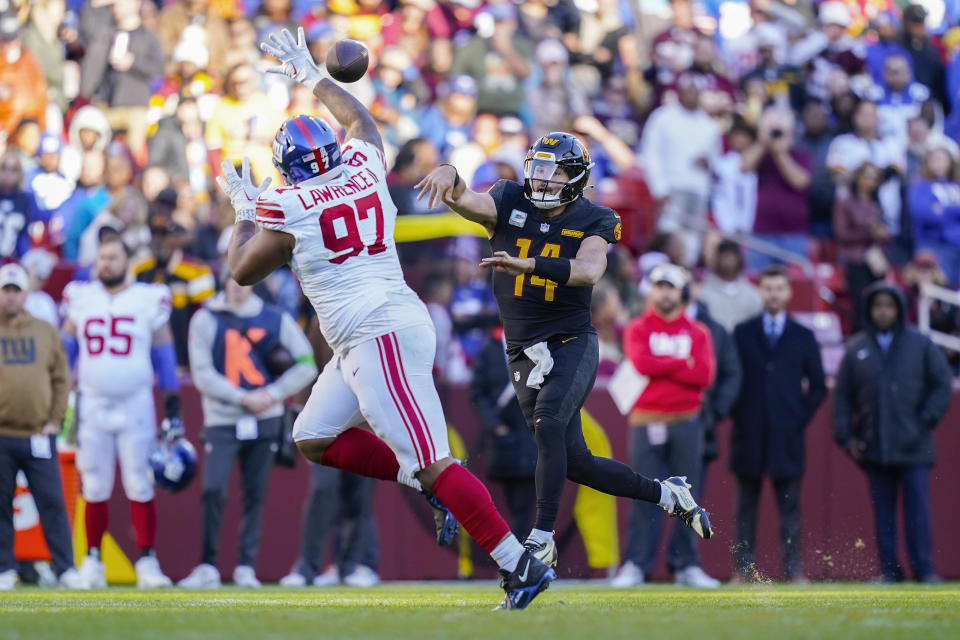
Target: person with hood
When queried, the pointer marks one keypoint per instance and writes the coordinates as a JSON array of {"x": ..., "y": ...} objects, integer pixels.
[
  {"x": 88, "y": 131},
  {"x": 892, "y": 389}
]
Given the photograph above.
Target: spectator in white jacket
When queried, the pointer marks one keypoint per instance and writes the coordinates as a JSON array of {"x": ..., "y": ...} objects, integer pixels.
[{"x": 679, "y": 145}]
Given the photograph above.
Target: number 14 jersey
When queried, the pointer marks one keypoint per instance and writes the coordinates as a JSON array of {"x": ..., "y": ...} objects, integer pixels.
[
  {"x": 345, "y": 256},
  {"x": 533, "y": 308}
]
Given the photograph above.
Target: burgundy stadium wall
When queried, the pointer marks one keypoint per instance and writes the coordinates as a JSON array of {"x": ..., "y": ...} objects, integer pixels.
[{"x": 838, "y": 540}]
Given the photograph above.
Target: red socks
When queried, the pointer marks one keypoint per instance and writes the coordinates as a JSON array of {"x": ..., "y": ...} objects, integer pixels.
[
  {"x": 470, "y": 503},
  {"x": 359, "y": 451},
  {"x": 96, "y": 515},
  {"x": 143, "y": 517}
]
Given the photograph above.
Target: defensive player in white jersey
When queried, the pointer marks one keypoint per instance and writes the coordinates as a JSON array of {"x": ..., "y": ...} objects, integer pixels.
[
  {"x": 116, "y": 332},
  {"x": 333, "y": 223}
]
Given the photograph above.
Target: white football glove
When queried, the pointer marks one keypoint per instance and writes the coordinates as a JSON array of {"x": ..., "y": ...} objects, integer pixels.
[
  {"x": 295, "y": 59},
  {"x": 240, "y": 189}
]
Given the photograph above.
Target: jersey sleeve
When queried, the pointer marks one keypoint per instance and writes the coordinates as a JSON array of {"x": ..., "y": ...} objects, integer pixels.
[
  {"x": 160, "y": 305},
  {"x": 360, "y": 153},
  {"x": 607, "y": 225},
  {"x": 270, "y": 214},
  {"x": 505, "y": 194},
  {"x": 68, "y": 303}
]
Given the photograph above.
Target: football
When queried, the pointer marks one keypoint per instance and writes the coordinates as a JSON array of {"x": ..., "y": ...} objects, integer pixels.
[
  {"x": 279, "y": 361},
  {"x": 348, "y": 61}
]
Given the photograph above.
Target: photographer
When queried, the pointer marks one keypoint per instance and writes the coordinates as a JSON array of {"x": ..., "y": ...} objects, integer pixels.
[{"x": 784, "y": 172}]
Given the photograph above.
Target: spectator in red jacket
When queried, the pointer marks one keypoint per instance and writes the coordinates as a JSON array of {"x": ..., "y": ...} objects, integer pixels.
[{"x": 675, "y": 355}]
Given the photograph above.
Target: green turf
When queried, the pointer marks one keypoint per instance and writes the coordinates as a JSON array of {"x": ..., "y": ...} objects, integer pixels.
[{"x": 429, "y": 611}]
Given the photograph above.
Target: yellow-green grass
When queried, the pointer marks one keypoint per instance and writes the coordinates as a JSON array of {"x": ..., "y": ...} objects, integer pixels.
[{"x": 463, "y": 610}]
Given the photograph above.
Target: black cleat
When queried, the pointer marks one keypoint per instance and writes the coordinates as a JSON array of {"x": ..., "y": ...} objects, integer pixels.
[{"x": 525, "y": 582}]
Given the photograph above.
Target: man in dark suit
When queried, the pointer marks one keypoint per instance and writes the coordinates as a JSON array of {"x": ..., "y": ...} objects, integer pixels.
[{"x": 782, "y": 387}]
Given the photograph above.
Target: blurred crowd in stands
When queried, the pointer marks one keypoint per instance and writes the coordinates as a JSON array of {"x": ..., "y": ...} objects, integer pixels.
[{"x": 822, "y": 135}]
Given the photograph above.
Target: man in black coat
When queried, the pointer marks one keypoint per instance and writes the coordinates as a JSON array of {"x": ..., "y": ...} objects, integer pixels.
[
  {"x": 892, "y": 389},
  {"x": 511, "y": 451},
  {"x": 782, "y": 387}
]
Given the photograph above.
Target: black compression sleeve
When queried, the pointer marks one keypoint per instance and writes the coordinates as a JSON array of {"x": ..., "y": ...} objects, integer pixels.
[{"x": 556, "y": 269}]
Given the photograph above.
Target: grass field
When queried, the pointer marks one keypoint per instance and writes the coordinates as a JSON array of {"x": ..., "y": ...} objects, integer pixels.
[{"x": 456, "y": 610}]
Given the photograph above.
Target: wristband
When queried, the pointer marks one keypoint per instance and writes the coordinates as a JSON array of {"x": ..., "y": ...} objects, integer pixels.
[
  {"x": 171, "y": 407},
  {"x": 71, "y": 347},
  {"x": 556, "y": 269},
  {"x": 246, "y": 214},
  {"x": 456, "y": 179}
]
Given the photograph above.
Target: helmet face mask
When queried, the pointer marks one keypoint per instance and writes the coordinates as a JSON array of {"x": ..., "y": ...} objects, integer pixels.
[
  {"x": 556, "y": 171},
  {"x": 547, "y": 179},
  {"x": 305, "y": 147}
]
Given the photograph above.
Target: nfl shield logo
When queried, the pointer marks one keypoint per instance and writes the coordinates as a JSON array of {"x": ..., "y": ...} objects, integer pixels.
[{"x": 544, "y": 227}]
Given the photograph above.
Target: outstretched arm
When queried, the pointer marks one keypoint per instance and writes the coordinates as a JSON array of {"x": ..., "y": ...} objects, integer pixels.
[
  {"x": 252, "y": 255},
  {"x": 349, "y": 112},
  {"x": 296, "y": 62},
  {"x": 443, "y": 184},
  {"x": 583, "y": 271}
]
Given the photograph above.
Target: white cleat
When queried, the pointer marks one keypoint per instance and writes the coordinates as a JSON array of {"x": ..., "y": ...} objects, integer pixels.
[
  {"x": 629, "y": 575},
  {"x": 149, "y": 575},
  {"x": 329, "y": 578},
  {"x": 73, "y": 579},
  {"x": 8, "y": 580},
  {"x": 93, "y": 572},
  {"x": 695, "y": 577},
  {"x": 686, "y": 508},
  {"x": 293, "y": 579},
  {"x": 244, "y": 576},
  {"x": 363, "y": 577},
  {"x": 45, "y": 575},
  {"x": 203, "y": 576}
]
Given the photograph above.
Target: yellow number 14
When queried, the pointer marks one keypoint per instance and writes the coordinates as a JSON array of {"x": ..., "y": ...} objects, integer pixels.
[{"x": 550, "y": 250}]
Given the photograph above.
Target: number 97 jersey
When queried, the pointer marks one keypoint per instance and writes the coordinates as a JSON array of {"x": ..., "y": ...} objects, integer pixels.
[
  {"x": 115, "y": 334},
  {"x": 345, "y": 256}
]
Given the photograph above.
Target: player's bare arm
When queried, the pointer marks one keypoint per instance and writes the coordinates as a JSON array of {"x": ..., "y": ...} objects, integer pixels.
[
  {"x": 253, "y": 254},
  {"x": 296, "y": 62},
  {"x": 443, "y": 184},
  {"x": 584, "y": 271},
  {"x": 349, "y": 112}
]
